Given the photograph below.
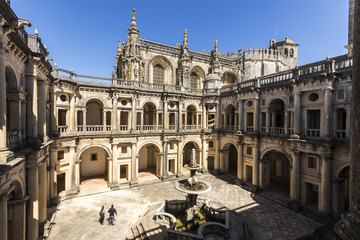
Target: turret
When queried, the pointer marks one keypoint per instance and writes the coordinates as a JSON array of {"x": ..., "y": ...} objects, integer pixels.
[
  {"x": 129, "y": 61},
  {"x": 215, "y": 63},
  {"x": 184, "y": 63}
]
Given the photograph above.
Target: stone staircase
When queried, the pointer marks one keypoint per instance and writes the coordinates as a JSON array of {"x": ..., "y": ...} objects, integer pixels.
[{"x": 147, "y": 229}]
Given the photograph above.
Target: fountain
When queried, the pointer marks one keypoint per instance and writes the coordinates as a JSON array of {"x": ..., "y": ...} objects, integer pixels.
[
  {"x": 194, "y": 218},
  {"x": 192, "y": 187}
]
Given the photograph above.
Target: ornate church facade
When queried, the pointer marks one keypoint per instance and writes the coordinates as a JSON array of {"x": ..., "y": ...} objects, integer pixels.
[{"x": 255, "y": 114}]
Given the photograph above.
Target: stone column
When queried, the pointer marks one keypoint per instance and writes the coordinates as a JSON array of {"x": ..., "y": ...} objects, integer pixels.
[
  {"x": 297, "y": 113},
  {"x": 355, "y": 126},
  {"x": 218, "y": 114},
  {"x": 261, "y": 173},
  {"x": 166, "y": 115},
  {"x": 133, "y": 114},
  {"x": 114, "y": 114},
  {"x": 255, "y": 177},
  {"x": 72, "y": 171},
  {"x": 72, "y": 113},
  {"x": 104, "y": 119},
  {"x": 349, "y": 227},
  {"x": 241, "y": 116},
  {"x": 186, "y": 121},
  {"x": 165, "y": 160},
  {"x": 33, "y": 192},
  {"x": 256, "y": 115},
  {"x": 204, "y": 155},
  {"x": 217, "y": 155},
  {"x": 42, "y": 110},
  {"x": 328, "y": 112},
  {"x": 53, "y": 125},
  {"x": 267, "y": 121},
  {"x": 3, "y": 217},
  {"x": 53, "y": 175},
  {"x": 295, "y": 177},
  {"x": 3, "y": 137},
  {"x": 240, "y": 163},
  {"x": 32, "y": 107},
  {"x": 84, "y": 120},
  {"x": 325, "y": 196},
  {"x": 286, "y": 121},
  {"x": 43, "y": 192},
  {"x": 204, "y": 116},
  {"x": 115, "y": 169},
  {"x": 179, "y": 161},
  {"x": 180, "y": 116},
  {"x": 134, "y": 172}
]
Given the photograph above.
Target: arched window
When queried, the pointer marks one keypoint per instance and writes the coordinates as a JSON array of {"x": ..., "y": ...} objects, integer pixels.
[
  {"x": 286, "y": 52},
  {"x": 194, "y": 80},
  {"x": 158, "y": 75},
  {"x": 291, "y": 52}
]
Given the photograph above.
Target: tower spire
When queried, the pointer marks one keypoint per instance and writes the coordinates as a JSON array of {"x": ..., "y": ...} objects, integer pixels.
[{"x": 185, "y": 42}]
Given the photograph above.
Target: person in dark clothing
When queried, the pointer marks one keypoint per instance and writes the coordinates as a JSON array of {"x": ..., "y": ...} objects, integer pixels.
[
  {"x": 111, "y": 212},
  {"x": 102, "y": 215}
]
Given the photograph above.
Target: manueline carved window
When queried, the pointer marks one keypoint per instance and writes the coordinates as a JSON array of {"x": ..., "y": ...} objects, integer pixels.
[
  {"x": 194, "y": 80},
  {"x": 158, "y": 74}
]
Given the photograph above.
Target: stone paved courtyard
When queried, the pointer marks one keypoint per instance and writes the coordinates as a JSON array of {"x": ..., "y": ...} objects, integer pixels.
[{"x": 77, "y": 218}]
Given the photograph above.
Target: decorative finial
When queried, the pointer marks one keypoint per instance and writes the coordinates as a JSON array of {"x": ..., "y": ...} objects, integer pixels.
[
  {"x": 55, "y": 65},
  {"x": 133, "y": 14},
  {"x": 185, "y": 33},
  {"x": 45, "y": 46},
  {"x": 36, "y": 32}
]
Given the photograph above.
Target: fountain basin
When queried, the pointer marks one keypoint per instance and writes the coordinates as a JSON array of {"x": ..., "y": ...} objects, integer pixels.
[
  {"x": 200, "y": 187},
  {"x": 196, "y": 167}
]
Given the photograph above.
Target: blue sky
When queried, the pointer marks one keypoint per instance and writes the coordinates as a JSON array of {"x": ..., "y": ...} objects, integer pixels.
[{"x": 84, "y": 35}]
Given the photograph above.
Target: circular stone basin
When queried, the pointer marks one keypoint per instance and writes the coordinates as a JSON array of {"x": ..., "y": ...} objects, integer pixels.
[
  {"x": 199, "y": 188},
  {"x": 196, "y": 167}
]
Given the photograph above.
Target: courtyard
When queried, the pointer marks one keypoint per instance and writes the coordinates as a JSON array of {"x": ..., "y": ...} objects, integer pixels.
[{"x": 77, "y": 218}]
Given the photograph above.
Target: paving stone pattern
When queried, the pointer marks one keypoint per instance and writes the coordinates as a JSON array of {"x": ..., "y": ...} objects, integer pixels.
[{"x": 77, "y": 218}]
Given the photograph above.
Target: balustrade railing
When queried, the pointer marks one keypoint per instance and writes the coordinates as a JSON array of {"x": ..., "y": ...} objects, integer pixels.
[
  {"x": 62, "y": 129},
  {"x": 341, "y": 133},
  {"x": 12, "y": 137},
  {"x": 263, "y": 129},
  {"x": 172, "y": 127},
  {"x": 149, "y": 127},
  {"x": 313, "y": 132},
  {"x": 249, "y": 129},
  {"x": 123, "y": 128},
  {"x": 94, "y": 128},
  {"x": 277, "y": 130}
]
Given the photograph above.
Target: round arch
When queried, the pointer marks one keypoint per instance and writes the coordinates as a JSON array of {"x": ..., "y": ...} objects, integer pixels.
[
  {"x": 186, "y": 151},
  {"x": 95, "y": 99},
  {"x": 229, "y": 158},
  {"x": 79, "y": 153},
  {"x": 275, "y": 149},
  {"x": 11, "y": 78},
  {"x": 150, "y": 102},
  {"x": 159, "y": 147},
  {"x": 168, "y": 69},
  {"x": 148, "y": 161},
  {"x": 191, "y": 105},
  {"x": 200, "y": 74},
  {"x": 276, "y": 172},
  {"x": 340, "y": 168}
]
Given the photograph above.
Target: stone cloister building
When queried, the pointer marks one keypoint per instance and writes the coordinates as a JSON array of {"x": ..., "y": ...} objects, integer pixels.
[{"x": 254, "y": 114}]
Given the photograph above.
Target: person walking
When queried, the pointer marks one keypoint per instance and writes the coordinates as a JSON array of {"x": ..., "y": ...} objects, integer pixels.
[
  {"x": 111, "y": 212},
  {"x": 102, "y": 215}
]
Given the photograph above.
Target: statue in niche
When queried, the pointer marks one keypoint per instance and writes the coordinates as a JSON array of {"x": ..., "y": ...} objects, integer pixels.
[
  {"x": 142, "y": 71},
  {"x": 136, "y": 71},
  {"x": 129, "y": 71}
]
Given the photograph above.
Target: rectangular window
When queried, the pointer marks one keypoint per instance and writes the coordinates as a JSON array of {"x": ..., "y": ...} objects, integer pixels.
[
  {"x": 93, "y": 156},
  {"x": 211, "y": 144},
  {"x": 249, "y": 150},
  {"x": 313, "y": 123},
  {"x": 60, "y": 155},
  {"x": 124, "y": 149},
  {"x": 312, "y": 162},
  {"x": 341, "y": 95},
  {"x": 291, "y": 100}
]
